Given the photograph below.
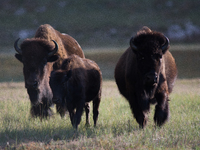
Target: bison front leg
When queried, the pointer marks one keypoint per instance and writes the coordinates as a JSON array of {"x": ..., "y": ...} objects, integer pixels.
[
  {"x": 162, "y": 109},
  {"x": 71, "y": 108},
  {"x": 78, "y": 114},
  {"x": 139, "y": 115},
  {"x": 140, "y": 107}
]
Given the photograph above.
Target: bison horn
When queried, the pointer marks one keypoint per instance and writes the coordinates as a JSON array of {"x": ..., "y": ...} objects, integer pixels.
[
  {"x": 132, "y": 44},
  {"x": 54, "y": 50},
  {"x": 16, "y": 47},
  {"x": 166, "y": 45}
]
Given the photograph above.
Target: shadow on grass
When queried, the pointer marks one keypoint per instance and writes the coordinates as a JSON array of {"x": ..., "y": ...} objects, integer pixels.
[{"x": 11, "y": 139}]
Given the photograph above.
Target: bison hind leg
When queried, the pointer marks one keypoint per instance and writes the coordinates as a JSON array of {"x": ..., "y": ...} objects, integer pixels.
[
  {"x": 96, "y": 103},
  {"x": 87, "y": 112}
]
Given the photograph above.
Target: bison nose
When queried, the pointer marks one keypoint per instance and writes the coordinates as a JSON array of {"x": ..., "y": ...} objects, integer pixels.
[
  {"x": 33, "y": 84},
  {"x": 151, "y": 78}
]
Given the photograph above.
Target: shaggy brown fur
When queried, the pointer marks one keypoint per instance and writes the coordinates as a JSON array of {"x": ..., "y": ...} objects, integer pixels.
[
  {"x": 145, "y": 74},
  {"x": 34, "y": 54},
  {"x": 77, "y": 83}
]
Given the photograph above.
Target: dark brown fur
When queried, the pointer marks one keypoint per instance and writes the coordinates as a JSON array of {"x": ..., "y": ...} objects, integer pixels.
[
  {"x": 145, "y": 74},
  {"x": 38, "y": 65},
  {"x": 77, "y": 83}
]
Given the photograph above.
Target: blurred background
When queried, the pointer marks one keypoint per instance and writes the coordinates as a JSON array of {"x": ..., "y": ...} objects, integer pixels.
[{"x": 103, "y": 28}]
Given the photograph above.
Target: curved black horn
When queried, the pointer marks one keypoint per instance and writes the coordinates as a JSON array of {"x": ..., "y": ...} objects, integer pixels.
[
  {"x": 16, "y": 47},
  {"x": 54, "y": 50},
  {"x": 166, "y": 45},
  {"x": 132, "y": 44}
]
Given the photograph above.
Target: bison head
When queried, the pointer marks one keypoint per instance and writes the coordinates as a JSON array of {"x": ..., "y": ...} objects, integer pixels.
[
  {"x": 149, "y": 48},
  {"x": 36, "y": 56},
  {"x": 58, "y": 84}
]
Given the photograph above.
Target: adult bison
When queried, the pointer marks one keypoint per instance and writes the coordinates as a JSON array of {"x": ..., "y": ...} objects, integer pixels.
[
  {"x": 76, "y": 84},
  {"x": 40, "y": 55},
  {"x": 145, "y": 74}
]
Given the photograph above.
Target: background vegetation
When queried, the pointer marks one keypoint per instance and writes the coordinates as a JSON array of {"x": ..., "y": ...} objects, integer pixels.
[{"x": 100, "y": 23}]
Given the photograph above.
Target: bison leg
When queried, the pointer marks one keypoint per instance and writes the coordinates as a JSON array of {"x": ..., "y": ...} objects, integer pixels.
[
  {"x": 162, "y": 109},
  {"x": 138, "y": 114},
  {"x": 87, "y": 112},
  {"x": 78, "y": 114},
  {"x": 96, "y": 103},
  {"x": 70, "y": 108}
]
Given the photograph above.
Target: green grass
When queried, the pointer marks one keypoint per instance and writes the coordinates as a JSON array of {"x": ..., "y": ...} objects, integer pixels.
[{"x": 116, "y": 128}]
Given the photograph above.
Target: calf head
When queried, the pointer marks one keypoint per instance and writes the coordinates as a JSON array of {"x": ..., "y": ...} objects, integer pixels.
[
  {"x": 58, "y": 84},
  {"x": 149, "y": 48},
  {"x": 35, "y": 54}
]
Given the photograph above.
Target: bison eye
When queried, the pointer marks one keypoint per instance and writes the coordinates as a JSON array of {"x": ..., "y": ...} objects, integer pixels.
[{"x": 141, "y": 57}]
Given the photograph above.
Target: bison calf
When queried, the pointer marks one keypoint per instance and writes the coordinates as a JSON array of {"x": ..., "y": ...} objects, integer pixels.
[
  {"x": 145, "y": 74},
  {"x": 76, "y": 84}
]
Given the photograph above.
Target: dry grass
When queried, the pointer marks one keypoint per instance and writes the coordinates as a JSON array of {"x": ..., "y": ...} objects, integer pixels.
[{"x": 116, "y": 129}]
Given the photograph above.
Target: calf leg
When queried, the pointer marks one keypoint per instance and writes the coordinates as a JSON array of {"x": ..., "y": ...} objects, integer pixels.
[
  {"x": 96, "y": 103},
  {"x": 78, "y": 114},
  {"x": 70, "y": 108},
  {"x": 87, "y": 112},
  {"x": 162, "y": 109}
]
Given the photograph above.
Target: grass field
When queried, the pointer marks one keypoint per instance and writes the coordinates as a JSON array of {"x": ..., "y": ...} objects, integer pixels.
[{"x": 116, "y": 128}]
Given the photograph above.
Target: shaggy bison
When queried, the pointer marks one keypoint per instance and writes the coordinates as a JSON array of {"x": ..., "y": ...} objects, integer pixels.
[
  {"x": 76, "y": 84},
  {"x": 40, "y": 55},
  {"x": 145, "y": 74}
]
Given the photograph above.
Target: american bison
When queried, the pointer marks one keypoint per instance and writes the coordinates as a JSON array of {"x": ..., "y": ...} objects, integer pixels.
[
  {"x": 145, "y": 74},
  {"x": 40, "y": 55},
  {"x": 77, "y": 83}
]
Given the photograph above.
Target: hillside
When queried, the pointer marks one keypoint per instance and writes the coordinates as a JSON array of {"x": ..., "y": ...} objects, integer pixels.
[{"x": 102, "y": 23}]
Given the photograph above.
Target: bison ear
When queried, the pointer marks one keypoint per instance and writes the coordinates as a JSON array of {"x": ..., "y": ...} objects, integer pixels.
[
  {"x": 52, "y": 58},
  {"x": 68, "y": 75},
  {"x": 132, "y": 45},
  {"x": 19, "y": 57}
]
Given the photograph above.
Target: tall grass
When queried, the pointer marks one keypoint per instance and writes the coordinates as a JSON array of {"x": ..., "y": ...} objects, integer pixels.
[{"x": 116, "y": 127}]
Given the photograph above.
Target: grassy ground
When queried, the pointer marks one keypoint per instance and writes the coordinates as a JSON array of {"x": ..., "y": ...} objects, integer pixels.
[{"x": 116, "y": 128}]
